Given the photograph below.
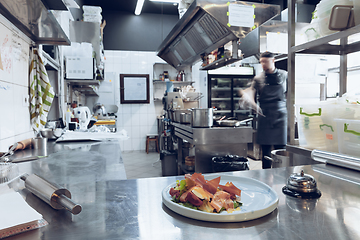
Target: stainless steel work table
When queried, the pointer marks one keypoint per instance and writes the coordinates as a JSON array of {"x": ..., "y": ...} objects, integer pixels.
[
  {"x": 214, "y": 141},
  {"x": 133, "y": 209}
]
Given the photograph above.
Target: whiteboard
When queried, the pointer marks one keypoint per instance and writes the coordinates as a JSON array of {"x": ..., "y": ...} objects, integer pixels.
[
  {"x": 135, "y": 88},
  {"x": 14, "y": 56}
]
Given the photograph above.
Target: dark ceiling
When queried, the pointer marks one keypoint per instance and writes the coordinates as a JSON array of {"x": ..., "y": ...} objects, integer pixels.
[
  {"x": 129, "y": 6},
  {"x": 163, "y": 8}
]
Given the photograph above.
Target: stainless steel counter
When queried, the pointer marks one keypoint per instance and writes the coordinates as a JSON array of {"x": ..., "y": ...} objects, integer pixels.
[{"x": 133, "y": 209}]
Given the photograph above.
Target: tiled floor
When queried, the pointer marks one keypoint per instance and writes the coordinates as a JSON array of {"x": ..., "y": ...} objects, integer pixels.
[{"x": 138, "y": 164}]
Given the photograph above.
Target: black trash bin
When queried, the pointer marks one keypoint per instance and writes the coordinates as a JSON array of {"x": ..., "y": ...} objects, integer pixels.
[
  {"x": 168, "y": 163},
  {"x": 229, "y": 163}
]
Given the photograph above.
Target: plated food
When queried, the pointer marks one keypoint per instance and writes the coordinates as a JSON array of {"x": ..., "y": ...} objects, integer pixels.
[
  {"x": 206, "y": 195},
  {"x": 257, "y": 198}
]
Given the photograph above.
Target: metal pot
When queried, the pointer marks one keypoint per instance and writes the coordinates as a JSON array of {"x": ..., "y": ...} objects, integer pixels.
[
  {"x": 185, "y": 117},
  {"x": 177, "y": 114},
  {"x": 47, "y": 132},
  {"x": 202, "y": 117},
  {"x": 280, "y": 158}
]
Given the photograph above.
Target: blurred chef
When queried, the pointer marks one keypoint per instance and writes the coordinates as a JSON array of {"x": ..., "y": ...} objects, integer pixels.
[{"x": 270, "y": 89}]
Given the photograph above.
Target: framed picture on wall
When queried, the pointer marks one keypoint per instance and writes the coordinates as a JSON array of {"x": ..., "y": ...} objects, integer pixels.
[{"x": 134, "y": 88}]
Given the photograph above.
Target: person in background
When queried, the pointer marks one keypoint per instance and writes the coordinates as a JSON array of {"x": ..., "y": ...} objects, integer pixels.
[{"x": 270, "y": 89}]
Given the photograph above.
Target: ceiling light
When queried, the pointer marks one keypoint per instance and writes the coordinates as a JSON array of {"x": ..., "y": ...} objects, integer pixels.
[
  {"x": 139, "y": 6},
  {"x": 165, "y": 1}
]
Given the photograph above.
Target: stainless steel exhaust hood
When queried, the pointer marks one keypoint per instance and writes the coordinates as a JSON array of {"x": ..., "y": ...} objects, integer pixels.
[
  {"x": 205, "y": 27},
  {"x": 34, "y": 20}
]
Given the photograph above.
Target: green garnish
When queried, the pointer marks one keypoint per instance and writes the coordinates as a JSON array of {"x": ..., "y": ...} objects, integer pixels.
[
  {"x": 237, "y": 204},
  {"x": 189, "y": 205}
]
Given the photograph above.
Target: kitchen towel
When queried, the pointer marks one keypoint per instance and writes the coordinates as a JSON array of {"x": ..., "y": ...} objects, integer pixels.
[{"x": 41, "y": 92}]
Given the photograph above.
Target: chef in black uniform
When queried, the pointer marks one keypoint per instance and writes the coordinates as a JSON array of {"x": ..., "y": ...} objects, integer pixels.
[{"x": 270, "y": 88}]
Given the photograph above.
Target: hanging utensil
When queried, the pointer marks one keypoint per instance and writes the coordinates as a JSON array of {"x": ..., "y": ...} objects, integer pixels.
[
  {"x": 9, "y": 153},
  {"x": 222, "y": 118}
]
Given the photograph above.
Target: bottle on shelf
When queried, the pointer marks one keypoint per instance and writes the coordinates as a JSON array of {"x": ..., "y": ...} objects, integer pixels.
[
  {"x": 181, "y": 76},
  {"x": 68, "y": 116},
  {"x": 166, "y": 76}
]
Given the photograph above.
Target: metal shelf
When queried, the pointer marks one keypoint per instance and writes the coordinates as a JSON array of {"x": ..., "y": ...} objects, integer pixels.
[
  {"x": 241, "y": 111},
  {"x": 50, "y": 63},
  {"x": 222, "y": 111},
  {"x": 220, "y": 99},
  {"x": 318, "y": 46},
  {"x": 221, "y": 89},
  {"x": 238, "y": 88},
  {"x": 87, "y": 90},
  {"x": 83, "y": 82},
  {"x": 174, "y": 82},
  {"x": 322, "y": 46},
  {"x": 84, "y": 86},
  {"x": 220, "y": 63}
]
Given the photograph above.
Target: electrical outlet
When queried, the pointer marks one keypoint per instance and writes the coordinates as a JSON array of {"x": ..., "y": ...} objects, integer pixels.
[{"x": 25, "y": 100}]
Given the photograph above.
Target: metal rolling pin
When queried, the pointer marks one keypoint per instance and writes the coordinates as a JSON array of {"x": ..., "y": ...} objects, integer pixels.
[
  {"x": 57, "y": 197},
  {"x": 338, "y": 159}
]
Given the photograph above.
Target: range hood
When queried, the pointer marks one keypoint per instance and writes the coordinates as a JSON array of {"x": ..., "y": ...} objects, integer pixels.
[
  {"x": 35, "y": 20},
  {"x": 205, "y": 27}
]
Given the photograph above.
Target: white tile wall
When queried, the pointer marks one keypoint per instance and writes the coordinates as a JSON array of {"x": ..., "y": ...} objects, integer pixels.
[
  {"x": 136, "y": 119},
  {"x": 14, "y": 86}
]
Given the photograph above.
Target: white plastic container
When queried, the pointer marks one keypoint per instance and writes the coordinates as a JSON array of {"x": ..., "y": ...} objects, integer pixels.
[
  {"x": 309, "y": 122},
  {"x": 329, "y": 127},
  {"x": 92, "y": 9},
  {"x": 322, "y": 15},
  {"x": 349, "y": 136},
  {"x": 330, "y": 136}
]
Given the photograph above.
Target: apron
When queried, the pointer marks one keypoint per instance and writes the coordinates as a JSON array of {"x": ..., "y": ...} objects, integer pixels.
[{"x": 272, "y": 129}]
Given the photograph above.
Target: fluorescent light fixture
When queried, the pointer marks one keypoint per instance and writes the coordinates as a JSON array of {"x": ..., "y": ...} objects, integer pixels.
[
  {"x": 139, "y": 6},
  {"x": 165, "y": 1}
]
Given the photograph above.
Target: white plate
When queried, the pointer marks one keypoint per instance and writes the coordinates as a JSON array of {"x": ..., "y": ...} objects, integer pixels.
[{"x": 258, "y": 200}]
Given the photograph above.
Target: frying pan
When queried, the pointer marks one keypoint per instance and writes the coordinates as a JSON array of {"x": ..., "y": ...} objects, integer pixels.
[{"x": 231, "y": 123}]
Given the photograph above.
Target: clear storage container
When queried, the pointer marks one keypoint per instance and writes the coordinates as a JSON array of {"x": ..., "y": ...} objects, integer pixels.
[
  {"x": 321, "y": 15},
  {"x": 309, "y": 122},
  {"x": 349, "y": 136},
  {"x": 329, "y": 127}
]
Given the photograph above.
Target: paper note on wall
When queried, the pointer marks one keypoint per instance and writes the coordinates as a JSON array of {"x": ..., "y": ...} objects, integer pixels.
[
  {"x": 107, "y": 86},
  {"x": 277, "y": 42},
  {"x": 241, "y": 15}
]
